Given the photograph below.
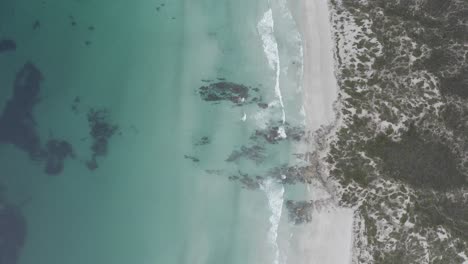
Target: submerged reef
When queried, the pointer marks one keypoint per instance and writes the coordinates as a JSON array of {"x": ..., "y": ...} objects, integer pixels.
[
  {"x": 36, "y": 24},
  {"x": 255, "y": 153},
  {"x": 284, "y": 174},
  {"x": 246, "y": 181},
  {"x": 203, "y": 141},
  {"x": 159, "y": 7},
  {"x": 12, "y": 233},
  {"x": 262, "y": 105},
  {"x": 7, "y": 45},
  {"x": 18, "y": 127},
  {"x": 72, "y": 20},
  {"x": 228, "y": 91},
  {"x": 192, "y": 158},
  {"x": 291, "y": 174},
  {"x": 57, "y": 152},
  {"x": 276, "y": 132},
  {"x": 75, "y": 105},
  {"x": 272, "y": 135},
  {"x": 17, "y": 124},
  {"x": 101, "y": 131}
]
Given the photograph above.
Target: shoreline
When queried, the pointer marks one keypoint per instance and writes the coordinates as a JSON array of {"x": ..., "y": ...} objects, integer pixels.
[
  {"x": 319, "y": 81},
  {"x": 328, "y": 239}
]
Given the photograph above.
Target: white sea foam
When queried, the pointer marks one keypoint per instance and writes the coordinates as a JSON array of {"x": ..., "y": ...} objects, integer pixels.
[
  {"x": 303, "y": 112},
  {"x": 282, "y": 132},
  {"x": 274, "y": 192},
  {"x": 266, "y": 30}
]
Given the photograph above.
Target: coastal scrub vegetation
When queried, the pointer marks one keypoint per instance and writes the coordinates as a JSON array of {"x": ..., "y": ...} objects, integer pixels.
[
  {"x": 417, "y": 162},
  {"x": 401, "y": 151}
]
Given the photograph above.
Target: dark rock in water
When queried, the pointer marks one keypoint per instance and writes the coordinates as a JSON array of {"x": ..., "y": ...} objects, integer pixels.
[
  {"x": 291, "y": 174},
  {"x": 283, "y": 174},
  {"x": 101, "y": 131},
  {"x": 75, "y": 104},
  {"x": 72, "y": 20},
  {"x": 17, "y": 125},
  {"x": 59, "y": 148},
  {"x": 255, "y": 153},
  {"x": 203, "y": 141},
  {"x": 295, "y": 133},
  {"x": 300, "y": 211},
  {"x": 224, "y": 91},
  {"x": 192, "y": 158},
  {"x": 99, "y": 146},
  {"x": 54, "y": 166},
  {"x": 246, "y": 181},
  {"x": 36, "y": 24},
  {"x": 92, "y": 164},
  {"x": 214, "y": 172},
  {"x": 272, "y": 134},
  {"x": 12, "y": 234},
  {"x": 7, "y": 45},
  {"x": 263, "y": 105},
  {"x": 57, "y": 152}
]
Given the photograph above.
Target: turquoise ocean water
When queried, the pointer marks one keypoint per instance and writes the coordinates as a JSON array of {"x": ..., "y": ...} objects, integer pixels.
[{"x": 160, "y": 195}]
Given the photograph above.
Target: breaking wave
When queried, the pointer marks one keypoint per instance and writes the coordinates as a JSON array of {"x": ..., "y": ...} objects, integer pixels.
[
  {"x": 266, "y": 30},
  {"x": 274, "y": 192}
]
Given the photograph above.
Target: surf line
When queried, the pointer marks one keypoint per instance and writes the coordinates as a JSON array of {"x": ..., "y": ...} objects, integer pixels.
[
  {"x": 273, "y": 190},
  {"x": 266, "y": 29},
  {"x": 275, "y": 193}
]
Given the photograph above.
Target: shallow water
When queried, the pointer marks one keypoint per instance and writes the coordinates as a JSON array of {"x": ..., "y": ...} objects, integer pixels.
[{"x": 144, "y": 63}]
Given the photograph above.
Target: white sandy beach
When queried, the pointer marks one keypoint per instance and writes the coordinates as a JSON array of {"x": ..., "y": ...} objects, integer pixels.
[
  {"x": 320, "y": 86},
  {"x": 328, "y": 238}
]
